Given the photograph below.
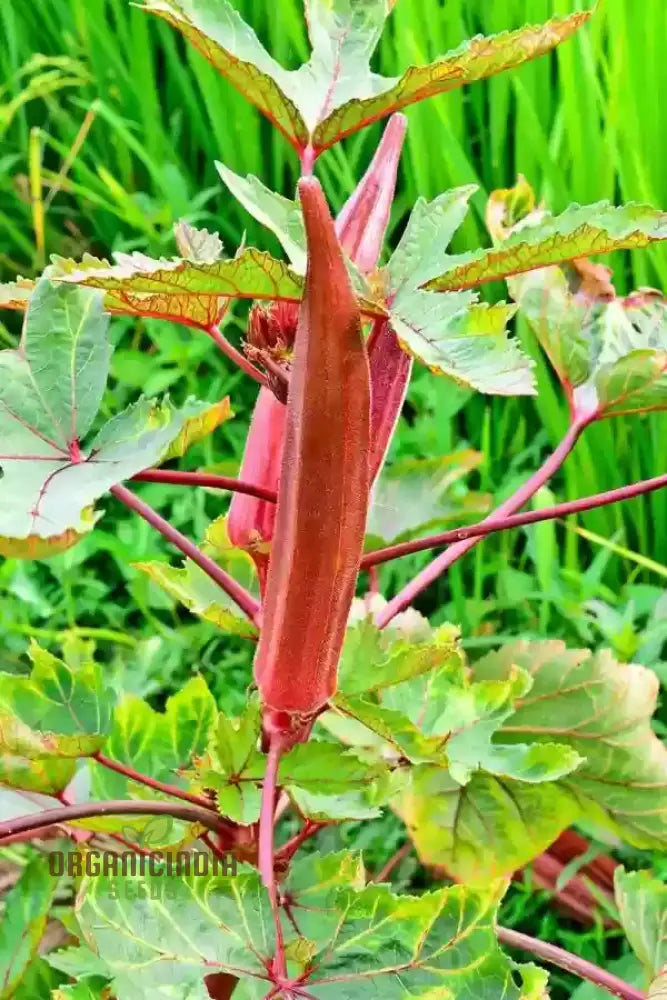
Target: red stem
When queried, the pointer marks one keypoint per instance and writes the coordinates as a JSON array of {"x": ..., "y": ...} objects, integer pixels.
[
  {"x": 485, "y": 528},
  {"x": 238, "y": 594},
  {"x": 66, "y": 814},
  {"x": 234, "y": 354},
  {"x": 308, "y": 830},
  {"x": 145, "y": 779},
  {"x": 175, "y": 478},
  {"x": 442, "y": 563},
  {"x": 571, "y": 963},
  {"x": 266, "y": 857}
]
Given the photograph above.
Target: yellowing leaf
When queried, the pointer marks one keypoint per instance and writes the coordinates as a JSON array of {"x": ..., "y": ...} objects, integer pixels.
[{"x": 199, "y": 427}]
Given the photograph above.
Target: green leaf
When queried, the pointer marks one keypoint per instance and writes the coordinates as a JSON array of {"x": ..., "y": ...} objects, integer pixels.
[
  {"x": 454, "y": 334},
  {"x": 46, "y": 776},
  {"x": 335, "y": 93},
  {"x": 62, "y": 709},
  {"x": 197, "y": 244},
  {"x": 199, "y": 427},
  {"x": 611, "y": 351},
  {"x": 375, "y": 658},
  {"x": 578, "y": 232},
  {"x": 37, "y": 982},
  {"x": 414, "y": 495},
  {"x": 50, "y": 392},
  {"x": 486, "y": 829},
  {"x": 234, "y": 766},
  {"x": 23, "y": 923},
  {"x": 172, "y": 288},
  {"x": 196, "y": 591},
  {"x": 642, "y": 902},
  {"x": 163, "y": 745},
  {"x": 358, "y": 941},
  {"x": 279, "y": 214},
  {"x": 474, "y": 60},
  {"x": 221, "y": 35},
  {"x": 602, "y": 709}
]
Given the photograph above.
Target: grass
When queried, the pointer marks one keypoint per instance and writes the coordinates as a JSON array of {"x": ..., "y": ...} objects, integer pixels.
[{"x": 109, "y": 129}]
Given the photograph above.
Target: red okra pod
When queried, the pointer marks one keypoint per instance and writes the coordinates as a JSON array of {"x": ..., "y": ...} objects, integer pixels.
[{"x": 323, "y": 501}]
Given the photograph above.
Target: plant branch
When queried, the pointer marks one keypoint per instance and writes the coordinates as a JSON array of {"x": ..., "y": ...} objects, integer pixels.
[
  {"x": 571, "y": 963},
  {"x": 131, "y": 807},
  {"x": 310, "y": 829},
  {"x": 485, "y": 528},
  {"x": 173, "y": 477},
  {"x": 442, "y": 563},
  {"x": 231, "y": 587},
  {"x": 158, "y": 786},
  {"x": 235, "y": 355},
  {"x": 394, "y": 861}
]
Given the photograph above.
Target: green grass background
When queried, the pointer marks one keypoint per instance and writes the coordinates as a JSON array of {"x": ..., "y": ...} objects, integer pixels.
[{"x": 120, "y": 124}]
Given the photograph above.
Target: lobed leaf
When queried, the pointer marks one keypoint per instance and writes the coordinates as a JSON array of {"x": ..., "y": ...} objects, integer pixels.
[
  {"x": 453, "y": 334},
  {"x": 161, "y": 287},
  {"x": 335, "y": 93},
  {"x": 50, "y": 392},
  {"x": 23, "y": 923},
  {"x": 352, "y": 941},
  {"x": 578, "y": 232},
  {"x": 234, "y": 766},
  {"x": 62, "y": 709},
  {"x": 162, "y": 745},
  {"x": 609, "y": 352}
]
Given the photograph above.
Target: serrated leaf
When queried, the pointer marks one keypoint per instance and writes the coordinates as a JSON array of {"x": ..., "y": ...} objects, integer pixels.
[
  {"x": 357, "y": 941},
  {"x": 335, "y": 93},
  {"x": 62, "y": 709},
  {"x": 234, "y": 766},
  {"x": 453, "y": 334},
  {"x": 78, "y": 963},
  {"x": 578, "y": 232},
  {"x": 199, "y": 427},
  {"x": 602, "y": 709},
  {"x": 46, "y": 776},
  {"x": 612, "y": 351},
  {"x": 23, "y": 923},
  {"x": 196, "y": 591},
  {"x": 414, "y": 495},
  {"x": 279, "y": 214},
  {"x": 375, "y": 658},
  {"x": 326, "y": 768},
  {"x": 197, "y": 244},
  {"x": 473, "y": 60},
  {"x": 253, "y": 274},
  {"x": 486, "y": 829},
  {"x": 50, "y": 392},
  {"x": 599, "y": 708},
  {"x": 162, "y": 745},
  {"x": 642, "y": 902},
  {"x": 221, "y": 35}
]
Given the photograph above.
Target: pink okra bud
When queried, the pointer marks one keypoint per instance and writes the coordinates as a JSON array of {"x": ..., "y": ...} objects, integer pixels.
[
  {"x": 361, "y": 227},
  {"x": 323, "y": 501},
  {"x": 362, "y": 223}
]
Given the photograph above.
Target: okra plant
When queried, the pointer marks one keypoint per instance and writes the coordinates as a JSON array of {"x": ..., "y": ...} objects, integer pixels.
[{"x": 359, "y": 704}]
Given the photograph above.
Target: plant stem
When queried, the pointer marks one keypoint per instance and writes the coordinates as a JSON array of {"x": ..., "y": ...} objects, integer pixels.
[
  {"x": 235, "y": 355},
  {"x": 442, "y": 563},
  {"x": 238, "y": 594},
  {"x": 173, "y": 477},
  {"x": 308, "y": 830},
  {"x": 145, "y": 779},
  {"x": 485, "y": 528},
  {"x": 571, "y": 963},
  {"x": 132, "y": 807},
  {"x": 394, "y": 861},
  {"x": 266, "y": 858}
]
